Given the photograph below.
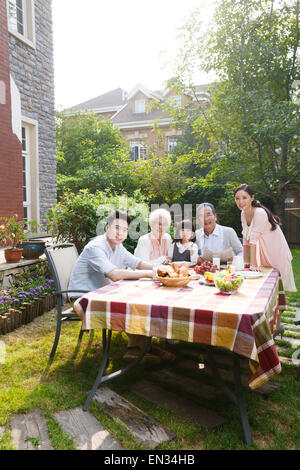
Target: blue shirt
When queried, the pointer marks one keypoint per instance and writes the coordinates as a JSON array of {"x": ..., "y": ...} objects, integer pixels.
[
  {"x": 96, "y": 260},
  {"x": 221, "y": 239}
]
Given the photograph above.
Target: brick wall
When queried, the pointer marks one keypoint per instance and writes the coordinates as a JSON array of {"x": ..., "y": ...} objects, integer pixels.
[{"x": 11, "y": 199}]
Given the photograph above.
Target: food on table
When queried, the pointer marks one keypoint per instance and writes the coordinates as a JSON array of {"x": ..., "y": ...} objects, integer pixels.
[
  {"x": 166, "y": 271},
  {"x": 209, "y": 277},
  {"x": 227, "y": 282},
  {"x": 206, "y": 266},
  {"x": 176, "y": 270}
]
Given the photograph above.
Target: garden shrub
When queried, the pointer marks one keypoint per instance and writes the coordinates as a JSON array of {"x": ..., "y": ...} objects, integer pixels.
[{"x": 79, "y": 217}]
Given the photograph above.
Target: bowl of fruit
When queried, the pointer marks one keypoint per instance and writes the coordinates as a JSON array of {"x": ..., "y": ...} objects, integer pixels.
[
  {"x": 228, "y": 282},
  {"x": 205, "y": 267}
]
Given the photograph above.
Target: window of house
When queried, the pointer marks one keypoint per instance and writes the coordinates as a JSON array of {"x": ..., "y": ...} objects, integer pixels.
[
  {"x": 140, "y": 106},
  {"x": 31, "y": 210},
  {"x": 26, "y": 173},
  {"x": 172, "y": 144},
  {"x": 176, "y": 101},
  {"x": 138, "y": 151},
  {"x": 21, "y": 19}
]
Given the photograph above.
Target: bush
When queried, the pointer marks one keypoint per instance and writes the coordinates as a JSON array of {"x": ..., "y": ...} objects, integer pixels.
[
  {"x": 198, "y": 193},
  {"x": 79, "y": 217},
  {"x": 229, "y": 214}
]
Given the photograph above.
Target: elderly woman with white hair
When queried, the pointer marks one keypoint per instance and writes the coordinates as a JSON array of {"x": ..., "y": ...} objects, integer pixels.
[{"x": 153, "y": 247}]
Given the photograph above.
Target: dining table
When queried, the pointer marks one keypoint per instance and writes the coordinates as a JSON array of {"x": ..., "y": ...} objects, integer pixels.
[{"x": 242, "y": 322}]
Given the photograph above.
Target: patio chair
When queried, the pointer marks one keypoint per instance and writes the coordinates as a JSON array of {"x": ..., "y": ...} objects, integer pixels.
[{"x": 62, "y": 259}]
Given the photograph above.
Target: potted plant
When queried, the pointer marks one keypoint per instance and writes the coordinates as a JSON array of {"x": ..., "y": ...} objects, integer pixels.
[
  {"x": 12, "y": 233},
  {"x": 33, "y": 248}
]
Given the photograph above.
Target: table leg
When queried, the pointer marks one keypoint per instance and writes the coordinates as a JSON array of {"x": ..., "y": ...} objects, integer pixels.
[
  {"x": 241, "y": 401},
  {"x": 238, "y": 398},
  {"x": 100, "y": 378}
]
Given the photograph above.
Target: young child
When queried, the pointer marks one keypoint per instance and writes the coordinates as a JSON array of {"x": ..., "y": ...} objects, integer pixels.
[{"x": 183, "y": 247}]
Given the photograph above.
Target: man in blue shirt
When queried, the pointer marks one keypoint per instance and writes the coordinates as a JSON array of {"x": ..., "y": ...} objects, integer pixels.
[{"x": 104, "y": 260}]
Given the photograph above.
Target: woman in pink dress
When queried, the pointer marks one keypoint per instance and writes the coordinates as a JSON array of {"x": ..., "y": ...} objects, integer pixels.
[{"x": 263, "y": 239}]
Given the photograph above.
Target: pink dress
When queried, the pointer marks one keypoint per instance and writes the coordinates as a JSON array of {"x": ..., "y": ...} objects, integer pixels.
[{"x": 272, "y": 249}]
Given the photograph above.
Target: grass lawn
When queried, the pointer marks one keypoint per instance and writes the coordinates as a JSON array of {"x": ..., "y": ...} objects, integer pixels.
[{"x": 26, "y": 383}]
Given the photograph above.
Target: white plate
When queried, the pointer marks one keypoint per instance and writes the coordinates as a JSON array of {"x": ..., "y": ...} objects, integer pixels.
[{"x": 250, "y": 274}]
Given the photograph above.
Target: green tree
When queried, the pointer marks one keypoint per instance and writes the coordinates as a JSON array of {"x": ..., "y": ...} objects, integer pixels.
[
  {"x": 91, "y": 154},
  {"x": 253, "y": 120},
  {"x": 162, "y": 178}
]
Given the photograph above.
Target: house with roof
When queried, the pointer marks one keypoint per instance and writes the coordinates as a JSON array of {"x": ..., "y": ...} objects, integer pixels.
[
  {"x": 27, "y": 109},
  {"x": 141, "y": 117}
]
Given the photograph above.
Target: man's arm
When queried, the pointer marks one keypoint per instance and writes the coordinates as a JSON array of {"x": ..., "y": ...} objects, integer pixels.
[
  {"x": 119, "y": 274},
  {"x": 144, "y": 265},
  {"x": 235, "y": 243}
]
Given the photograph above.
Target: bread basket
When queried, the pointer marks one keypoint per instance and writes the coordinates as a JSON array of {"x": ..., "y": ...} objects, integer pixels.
[{"x": 175, "y": 281}]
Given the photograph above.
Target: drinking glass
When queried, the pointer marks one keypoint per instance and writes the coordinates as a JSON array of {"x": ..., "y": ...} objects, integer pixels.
[{"x": 231, "y": 266}]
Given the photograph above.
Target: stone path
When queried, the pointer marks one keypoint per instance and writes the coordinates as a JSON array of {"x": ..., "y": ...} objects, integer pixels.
[
  {"x": 291, "y": 344},
  {"x": 141, "y": 426},
  {"x": 29, "y": 432},
  {"x": 86, "y": 431}
]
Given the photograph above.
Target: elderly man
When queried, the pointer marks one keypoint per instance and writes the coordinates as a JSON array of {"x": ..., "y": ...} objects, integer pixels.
[
  {"x": 102, "y": 261},
  {"x": 213, "y": 238}
]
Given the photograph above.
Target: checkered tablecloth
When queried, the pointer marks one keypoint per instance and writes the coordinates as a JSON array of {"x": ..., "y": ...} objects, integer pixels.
[{"x": 242, "y": 322}]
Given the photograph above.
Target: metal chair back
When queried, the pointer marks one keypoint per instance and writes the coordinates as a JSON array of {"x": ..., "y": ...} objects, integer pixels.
[{"x": 62, "y": 259}]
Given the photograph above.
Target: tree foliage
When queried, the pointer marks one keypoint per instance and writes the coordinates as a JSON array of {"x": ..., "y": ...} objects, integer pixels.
[
  {"x": 163, "y": 178},
  {"x": 92, "y": 154},
  {"x": 253, "y": 121}
]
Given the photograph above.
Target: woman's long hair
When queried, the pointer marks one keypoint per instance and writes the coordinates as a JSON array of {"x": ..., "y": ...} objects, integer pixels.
[
  {"x": 180, "y": 226},
  {"x": 273, "y": 219}
]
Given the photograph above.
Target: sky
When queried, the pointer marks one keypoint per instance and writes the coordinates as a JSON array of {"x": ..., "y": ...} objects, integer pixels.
[{"x": 100, "y": 45}]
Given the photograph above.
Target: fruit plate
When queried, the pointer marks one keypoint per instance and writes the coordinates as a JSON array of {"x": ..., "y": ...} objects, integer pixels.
[{"x": 204, "y": 281}]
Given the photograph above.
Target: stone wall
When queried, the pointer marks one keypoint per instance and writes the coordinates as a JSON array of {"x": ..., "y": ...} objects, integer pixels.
[{"x": 33, "y": 72}]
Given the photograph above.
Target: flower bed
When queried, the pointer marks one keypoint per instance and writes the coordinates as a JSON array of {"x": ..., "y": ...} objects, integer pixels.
[{"x": 30, "y": 296}]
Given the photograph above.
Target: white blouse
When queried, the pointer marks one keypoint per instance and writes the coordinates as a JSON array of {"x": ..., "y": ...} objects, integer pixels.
[
  {"x": 247, "y": 230},
  {"x": 143, "y": 249}
]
